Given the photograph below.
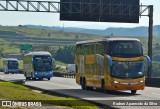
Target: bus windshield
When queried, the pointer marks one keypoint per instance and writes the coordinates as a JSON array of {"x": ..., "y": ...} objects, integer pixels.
[
  {"x": 42, "y": 63},
  {"x": 125, "y": 48},
  {"x": 127, "y": 69},
  {"x": 12, "y": 64}
]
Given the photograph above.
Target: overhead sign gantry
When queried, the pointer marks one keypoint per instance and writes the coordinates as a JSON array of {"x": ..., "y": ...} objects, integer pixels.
[{"x": 124, "y": 11}]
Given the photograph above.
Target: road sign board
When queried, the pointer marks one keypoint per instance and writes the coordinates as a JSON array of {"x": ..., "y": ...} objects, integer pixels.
[
  {"x": 100, "y": 10},
  {"x": 26, "y": 47}
]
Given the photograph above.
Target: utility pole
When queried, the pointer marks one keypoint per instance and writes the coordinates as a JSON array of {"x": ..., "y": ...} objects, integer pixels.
[{"x": 150, "y": 38}]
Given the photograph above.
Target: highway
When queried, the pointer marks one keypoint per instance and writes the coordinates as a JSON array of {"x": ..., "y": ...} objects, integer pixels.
[{"x": 68, "y": 86}]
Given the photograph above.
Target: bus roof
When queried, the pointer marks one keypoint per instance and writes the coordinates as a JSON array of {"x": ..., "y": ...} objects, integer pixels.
[
  {"x": 10, "y": 59},
  {"x": 38, "y": 53},
  {"x": 107, "y": 39}
]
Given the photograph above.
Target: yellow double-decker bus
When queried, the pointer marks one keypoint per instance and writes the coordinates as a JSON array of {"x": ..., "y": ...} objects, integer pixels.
[{"x": 110, "y": 64}]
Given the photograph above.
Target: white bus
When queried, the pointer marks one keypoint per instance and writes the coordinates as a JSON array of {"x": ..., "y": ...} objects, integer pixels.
[
  {"x": 10, "y": 65},
  {"x": 38, "y": 65}
]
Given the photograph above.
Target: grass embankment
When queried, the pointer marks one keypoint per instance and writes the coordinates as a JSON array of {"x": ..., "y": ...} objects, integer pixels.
[
  {"x": 10, "y": 91},
  {"x": 60, "y": 63},
  {"x": 60, "y": 66}
]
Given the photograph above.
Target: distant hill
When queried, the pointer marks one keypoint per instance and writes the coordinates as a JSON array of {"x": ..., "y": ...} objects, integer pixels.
[{"x": 137, "y": 31}]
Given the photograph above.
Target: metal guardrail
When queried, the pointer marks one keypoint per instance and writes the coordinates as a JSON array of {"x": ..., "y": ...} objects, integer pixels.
[
  {"x": 66, "y": 75},
  {"x": 152, "y": 82}
]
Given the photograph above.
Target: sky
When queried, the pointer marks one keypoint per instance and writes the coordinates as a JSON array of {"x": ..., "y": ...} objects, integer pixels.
[{"x": 8, "y": 18}]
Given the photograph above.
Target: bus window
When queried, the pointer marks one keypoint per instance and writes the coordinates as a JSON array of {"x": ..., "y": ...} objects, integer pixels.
[
  {"x": 106, "y": 48},
  {"x": 79, "y": 50},
  {"x": 126, "y": 49},
  {"x": 99, "y": 48},
  {"x": 90, "y": 49},
  {"x": 42, "y": 63},
  {"x": 12, "y": 64}
]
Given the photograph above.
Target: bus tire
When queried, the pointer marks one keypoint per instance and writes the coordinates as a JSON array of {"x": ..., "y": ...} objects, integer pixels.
[
  {"x": 27, "y": 78},
  {"x": 33, "y": 78},
  {"x": 49, "y": 78},
  {"x": 40, "y": 78},
  {"x": 103, "y": 87},
  {"x": 84, "y": 87},
  {"x": 6, "y": 72},
  {"x": 80, "y": 80},
  {"x": 133, "y": 91}
]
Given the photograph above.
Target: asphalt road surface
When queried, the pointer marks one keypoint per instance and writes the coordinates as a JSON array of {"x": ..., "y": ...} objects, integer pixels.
[{"x": 68, "y": 86}]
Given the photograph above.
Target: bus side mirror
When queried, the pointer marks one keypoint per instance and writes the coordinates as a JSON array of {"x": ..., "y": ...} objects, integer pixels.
[
  {"x": 32, "y": 61},
  {"x": 110, "y": 60},
  {"x": 53, "y": 60},
  {"x": 148, "y": 60}
]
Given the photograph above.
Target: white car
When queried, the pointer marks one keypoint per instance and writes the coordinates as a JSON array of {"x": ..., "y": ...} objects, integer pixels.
[{"x": 70, "y": 68}]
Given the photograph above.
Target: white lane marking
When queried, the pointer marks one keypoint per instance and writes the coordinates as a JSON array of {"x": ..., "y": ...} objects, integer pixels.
[
  {"x": 97, "y": 98},
  {"x": 79, "y": 87},
  {"x": 155, "y": 93},
  {"x": 1, "y": 76},
  {"x": 128, "y": 98},
  {"x": 14, "y": 77},
  {"x": 61, "y": 85},
  {"x": 151, "y": 88}
]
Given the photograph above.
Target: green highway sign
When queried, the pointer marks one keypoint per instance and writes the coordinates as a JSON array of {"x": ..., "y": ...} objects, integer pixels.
[{"x": 26, "y": 47}]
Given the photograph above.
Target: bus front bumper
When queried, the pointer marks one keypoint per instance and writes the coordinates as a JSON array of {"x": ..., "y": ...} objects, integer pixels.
[
  {"x": 126, "y": 86},
  {"x": 12, "y": 71},
  {"x": 43, "y": 74}
]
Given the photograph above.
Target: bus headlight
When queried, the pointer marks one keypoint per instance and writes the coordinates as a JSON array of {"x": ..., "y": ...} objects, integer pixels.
[
  {"x": 141, "y": 81},
  {"x": 116, "y": 82},
  {"x": 36, "y": 73}
]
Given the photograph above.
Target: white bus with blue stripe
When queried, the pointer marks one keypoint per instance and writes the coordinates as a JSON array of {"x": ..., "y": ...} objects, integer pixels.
[
  {"x": 38, "y": 65},
  {"x": 10, "y": 65}
]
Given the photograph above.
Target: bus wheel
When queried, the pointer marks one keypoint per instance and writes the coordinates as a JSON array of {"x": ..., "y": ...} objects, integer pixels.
[
  {"x": 84, "y": 87},
  {"x": 133, "y": 91},
  {"x": 33, "y": 78},
  {"x": 48, "y": 78},
  {"x": 27, "y": 78},
  {"x": 40, "y": 78},
  {"x": 103, "y": 88}
]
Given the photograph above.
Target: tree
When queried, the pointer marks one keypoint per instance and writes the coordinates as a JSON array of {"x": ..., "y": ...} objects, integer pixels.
[
  {"x": 65, "y": 54},
  {"x": 1, "y": 52},
  {"x": 76, "y": 37},
  {"x": 49, "y": 34}
]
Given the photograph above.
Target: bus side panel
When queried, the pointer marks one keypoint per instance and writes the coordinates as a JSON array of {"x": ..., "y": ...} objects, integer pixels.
[
  {"x": 107, "y": 75},
  {"x": 28, "y": 66},
  {"x": 5, "y": 66},
  {"x": 99, "y": 70},
  {"x": 89, "y": 70},
  {"x": 79, "y": 68}
]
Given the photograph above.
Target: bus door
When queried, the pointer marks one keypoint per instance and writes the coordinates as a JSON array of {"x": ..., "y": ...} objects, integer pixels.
[
  {"x": 99, "y": 64},
  {"x": 99, "y": 70},
  {"x": 89, "y": 64}
]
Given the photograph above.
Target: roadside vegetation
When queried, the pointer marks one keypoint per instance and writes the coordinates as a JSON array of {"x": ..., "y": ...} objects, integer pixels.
[
  {"x": 10, "y": 91},
  {"x": 59, "y": 43}
]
